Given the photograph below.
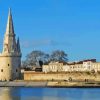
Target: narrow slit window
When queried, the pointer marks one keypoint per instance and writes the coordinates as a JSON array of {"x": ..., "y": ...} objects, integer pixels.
[
  {"x": 1, "y": 70},
  {"x": 16, "y": 70}
]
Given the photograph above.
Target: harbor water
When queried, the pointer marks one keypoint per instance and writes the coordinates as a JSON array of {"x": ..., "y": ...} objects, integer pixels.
[{"x": 22, "y": 93}]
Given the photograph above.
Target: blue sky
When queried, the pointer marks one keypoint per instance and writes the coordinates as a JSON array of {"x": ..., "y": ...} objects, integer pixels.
[{"x": 47, "y": 25}]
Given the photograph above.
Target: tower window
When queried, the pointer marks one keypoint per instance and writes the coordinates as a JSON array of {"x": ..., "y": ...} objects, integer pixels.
[
  {"x": 1, "y": 70},
  {"x": 8, "y": 64},
  {"x": 16, "y": 70}
]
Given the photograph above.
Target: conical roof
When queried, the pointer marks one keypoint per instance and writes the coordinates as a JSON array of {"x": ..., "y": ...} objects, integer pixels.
[{"x": 10, "y": 27}]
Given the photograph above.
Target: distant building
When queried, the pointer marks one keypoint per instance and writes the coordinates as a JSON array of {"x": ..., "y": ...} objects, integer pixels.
[
  {"x": 10, "y": 58},
  {"x": 55, "y": 67},
  {"x": 85, "y": 65}
]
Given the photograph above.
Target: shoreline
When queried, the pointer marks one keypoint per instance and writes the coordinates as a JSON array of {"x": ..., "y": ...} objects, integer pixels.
[{"x": 50, "y": 84}]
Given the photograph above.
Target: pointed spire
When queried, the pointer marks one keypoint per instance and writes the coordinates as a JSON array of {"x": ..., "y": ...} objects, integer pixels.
[
  {"x": 10, "y": 28},
  {"x": 9, "y": 39},
  {"x": 18, "y": 46}
]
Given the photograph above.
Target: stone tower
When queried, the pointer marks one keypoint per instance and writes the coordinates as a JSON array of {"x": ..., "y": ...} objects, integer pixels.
[{"x": 10, "y": 58}]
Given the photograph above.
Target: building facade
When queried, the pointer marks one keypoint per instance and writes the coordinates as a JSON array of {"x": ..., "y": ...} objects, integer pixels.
[
  {"x": 10, "y": 58},
  {"x": 53, "y": 67},
  {"x": 81, "y": 66}
]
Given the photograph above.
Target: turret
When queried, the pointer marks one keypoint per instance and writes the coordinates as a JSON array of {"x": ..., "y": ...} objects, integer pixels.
[{"x": 18, "y": 47}]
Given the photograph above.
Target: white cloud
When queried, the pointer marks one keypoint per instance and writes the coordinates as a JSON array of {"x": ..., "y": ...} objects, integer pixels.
[{"x": 44, "y": 42}]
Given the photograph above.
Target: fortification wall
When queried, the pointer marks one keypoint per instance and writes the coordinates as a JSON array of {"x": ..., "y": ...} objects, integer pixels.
[{"x": 61, "y": 76}]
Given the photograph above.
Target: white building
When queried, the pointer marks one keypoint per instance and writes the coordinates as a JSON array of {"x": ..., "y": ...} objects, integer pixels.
[
  {"x": 10, "y": 58},
  {"x": 53, "y": 67},
  {"x": 81, "y": 66}
]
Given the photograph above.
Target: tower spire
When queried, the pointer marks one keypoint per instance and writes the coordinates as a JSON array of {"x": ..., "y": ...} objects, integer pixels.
[
  {"x": 9, "y": 39},
  {"x": 10, "y": 27}
]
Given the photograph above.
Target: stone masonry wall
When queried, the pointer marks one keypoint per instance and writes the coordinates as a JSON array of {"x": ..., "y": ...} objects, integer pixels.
[{"x": 61, "y": 76}]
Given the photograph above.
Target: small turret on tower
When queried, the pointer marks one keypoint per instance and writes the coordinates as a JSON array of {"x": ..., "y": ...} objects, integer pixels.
[{"x": 18, "y": 46}]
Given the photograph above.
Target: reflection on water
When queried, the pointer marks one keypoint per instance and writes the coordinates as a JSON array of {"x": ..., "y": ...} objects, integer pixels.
[
  {"x": 49, "y": 93},
  {"x": 9, "y": 93}
]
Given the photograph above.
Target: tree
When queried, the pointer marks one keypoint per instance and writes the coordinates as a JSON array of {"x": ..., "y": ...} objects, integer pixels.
[
  {"x": 58, "y": 55},
  {"x": 33, "y": 58},
  {"x": 37, "y": 57}
]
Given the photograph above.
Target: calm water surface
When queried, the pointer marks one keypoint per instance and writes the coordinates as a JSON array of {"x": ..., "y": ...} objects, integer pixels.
[{"x": 49, "y": 93}]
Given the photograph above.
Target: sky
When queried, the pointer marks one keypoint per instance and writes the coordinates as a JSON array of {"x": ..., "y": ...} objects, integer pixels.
[{"x": 48, "y": 25}]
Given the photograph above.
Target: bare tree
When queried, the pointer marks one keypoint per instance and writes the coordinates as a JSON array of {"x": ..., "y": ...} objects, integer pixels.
[
  {"x": 33, "y": 58},
  {"x": 58, "y": 55},
  {"x": 39, "y": 57}
]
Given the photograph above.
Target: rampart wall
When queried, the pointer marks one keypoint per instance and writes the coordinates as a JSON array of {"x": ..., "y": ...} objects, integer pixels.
[{"x": 39, "y": 76}]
